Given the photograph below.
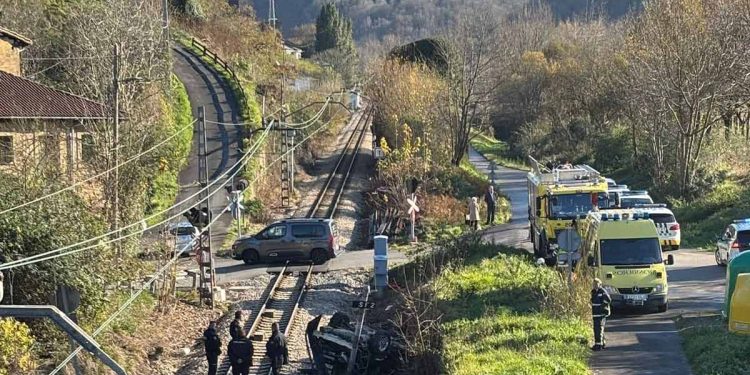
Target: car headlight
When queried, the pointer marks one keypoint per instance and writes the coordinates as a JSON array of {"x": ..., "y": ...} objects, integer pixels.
[
  {"x": 610, "y": 289},
  {"x": 659, "y": 288}
]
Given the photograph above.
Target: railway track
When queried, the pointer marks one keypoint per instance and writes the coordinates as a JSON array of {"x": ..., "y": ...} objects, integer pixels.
[
  {"x": 282, "y": 299},
  {"x": 329, "y": 196}
]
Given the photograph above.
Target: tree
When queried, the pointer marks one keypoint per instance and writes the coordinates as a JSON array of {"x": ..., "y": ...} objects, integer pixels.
[
  {"x": 685, "y": 60},
  {"x": 472, "y": 51},
  {"x": 333, "y": 31}
]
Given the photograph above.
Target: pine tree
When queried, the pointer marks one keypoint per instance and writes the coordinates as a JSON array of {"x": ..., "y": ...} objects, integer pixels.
[{"x": 332, "y": 30}]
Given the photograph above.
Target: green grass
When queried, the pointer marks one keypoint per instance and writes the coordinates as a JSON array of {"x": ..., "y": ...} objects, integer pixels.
[
  {"x": 165, "y": 186},
  {"x": 706, "y": 217},
  {"x": 711, "y": 349},
  {"x": 494, "y": 322},
  {"x": 496, "y": 151}
]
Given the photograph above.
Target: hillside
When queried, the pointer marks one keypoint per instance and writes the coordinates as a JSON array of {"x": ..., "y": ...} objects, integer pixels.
[{"x": 411, "y": 19}]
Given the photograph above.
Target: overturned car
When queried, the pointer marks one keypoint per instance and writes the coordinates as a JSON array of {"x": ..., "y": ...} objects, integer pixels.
[{"x": 379, "y": 350}]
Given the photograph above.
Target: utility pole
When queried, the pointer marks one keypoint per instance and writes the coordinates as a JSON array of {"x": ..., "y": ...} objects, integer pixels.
[
  {"x": 116, "y": 142},
  {"x": 272, "y": 13},
  {"x": 206, "y": 257}
]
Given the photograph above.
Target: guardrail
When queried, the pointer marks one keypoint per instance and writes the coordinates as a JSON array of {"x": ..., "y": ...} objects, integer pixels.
[{"x": 220, "y": 62}]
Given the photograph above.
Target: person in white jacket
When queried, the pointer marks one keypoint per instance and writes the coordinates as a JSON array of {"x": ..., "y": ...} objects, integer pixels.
[{"x": 473, "y": 213}]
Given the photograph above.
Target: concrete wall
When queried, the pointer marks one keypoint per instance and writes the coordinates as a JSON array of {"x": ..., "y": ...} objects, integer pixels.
[{"x": 10, "y": 58}]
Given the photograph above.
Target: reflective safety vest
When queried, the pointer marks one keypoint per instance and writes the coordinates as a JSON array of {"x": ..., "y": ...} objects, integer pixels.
[{"x": 600, "y": 302}]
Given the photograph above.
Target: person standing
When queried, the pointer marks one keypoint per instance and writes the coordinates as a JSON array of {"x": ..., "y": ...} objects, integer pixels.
[
  {"x": 212, "y": 343},
  {"x": 473, "y": 213},
  {"x": 240, "y": 351},
  {"x": 276, "y": 349},
  {"x": 236, "y": 326},
  {"x": 600, "y": 310},
  {"x": 490, "y": 198}
]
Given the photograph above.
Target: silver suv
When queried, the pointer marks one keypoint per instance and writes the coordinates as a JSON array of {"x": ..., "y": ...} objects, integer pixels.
[{"x": 292, "y": 239}]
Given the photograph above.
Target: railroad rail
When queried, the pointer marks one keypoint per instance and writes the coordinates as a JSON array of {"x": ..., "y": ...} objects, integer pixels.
[
  {"x": 329, "y": 198},
  {"x": 281, "y": 301}
]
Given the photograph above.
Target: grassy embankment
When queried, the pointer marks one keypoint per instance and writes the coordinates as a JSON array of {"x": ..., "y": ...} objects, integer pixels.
[
  {"x": 711, "y": 349},
  {"x": 178, "y": 113},
  {"x": 500, "y": 319},
  {"x": 706, "y": 217},
  {"x": 497, "y": 151}
]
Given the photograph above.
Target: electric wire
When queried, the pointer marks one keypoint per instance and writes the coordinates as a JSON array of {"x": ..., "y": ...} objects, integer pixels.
[
  {"x": 79, "y": 183},
  {"x": 166, "y": 266},
  {"x": 49, "y": 254}
]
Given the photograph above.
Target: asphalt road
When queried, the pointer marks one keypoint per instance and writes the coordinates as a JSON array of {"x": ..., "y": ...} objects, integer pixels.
[
  {"x": 637, "y": 342},
  {"x": 206, "y": 87}
]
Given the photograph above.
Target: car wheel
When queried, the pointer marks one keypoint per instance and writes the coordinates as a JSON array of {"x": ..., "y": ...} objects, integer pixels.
[
  {"x": 318, "y": 256},
  {"x": 718, "y": 259},
  {"x": 250, "y": 256},
  {"x": 663, "y": 308}
]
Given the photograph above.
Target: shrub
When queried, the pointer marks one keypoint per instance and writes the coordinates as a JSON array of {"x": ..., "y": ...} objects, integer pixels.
[
  {"x": 16, "y": 343},
  {"x": 711, "y": 349}
]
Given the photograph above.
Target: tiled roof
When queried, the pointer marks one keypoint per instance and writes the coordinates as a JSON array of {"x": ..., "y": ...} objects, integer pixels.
[
  {"x": 22, "y": 98},
  {"x": 19, "y": 41}
]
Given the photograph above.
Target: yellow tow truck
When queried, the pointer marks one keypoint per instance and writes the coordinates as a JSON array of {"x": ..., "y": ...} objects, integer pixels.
[
  {"x": 557, "y": 197},
  {"x": 623, "y": 248}
]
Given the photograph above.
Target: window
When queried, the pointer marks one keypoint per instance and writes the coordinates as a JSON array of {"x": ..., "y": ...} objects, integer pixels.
[
  {"x": 308, "y": 231},
  {"x": 630, "y": 202},
  {"x": 274, "y": 232},
  {"x": 663, "y": 218},
  {"x": 6, "y": 150},
  {"x": 51, "y": 149},
  {"x": 87, "y": 147},
  {"x": 743, "y": 238},
  {"x": 630, "y": 251},
  {"x": 569, "y": 206}
]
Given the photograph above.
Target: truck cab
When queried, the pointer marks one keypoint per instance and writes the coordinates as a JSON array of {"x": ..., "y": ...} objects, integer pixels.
[
  {"x": 557, "y": 198},
  {"x": 623, "y": 248}
]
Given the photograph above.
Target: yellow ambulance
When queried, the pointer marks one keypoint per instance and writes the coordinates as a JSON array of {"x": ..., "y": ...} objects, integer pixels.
[{"x": 623, "y": 248}]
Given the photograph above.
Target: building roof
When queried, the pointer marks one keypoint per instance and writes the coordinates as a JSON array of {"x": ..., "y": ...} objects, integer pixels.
[
  {"x": 21, "y": 98},
  {"x": 17, "y": 40}
]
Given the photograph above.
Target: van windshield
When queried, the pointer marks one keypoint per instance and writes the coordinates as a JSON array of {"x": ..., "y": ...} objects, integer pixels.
[
  {"x": 630, "y": 251},
  {"x": 570, "y": 206}
]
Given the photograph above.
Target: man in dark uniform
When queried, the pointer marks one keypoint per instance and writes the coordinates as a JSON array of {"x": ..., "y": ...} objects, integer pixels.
[
  {"x": 490, "y": 198},
  {"x": 236, "y": 325},
  {"x": 240, "y": 351},
  {"x": 276, "y": 349},
  {"x": 600, "y": 301},
  {"x": 212, "y": 343}
]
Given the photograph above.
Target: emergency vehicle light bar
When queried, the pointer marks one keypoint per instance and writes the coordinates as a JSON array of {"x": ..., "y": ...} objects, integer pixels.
[
  {"x": 741, "y": 221},
  {"x": 650, "y": 205}
]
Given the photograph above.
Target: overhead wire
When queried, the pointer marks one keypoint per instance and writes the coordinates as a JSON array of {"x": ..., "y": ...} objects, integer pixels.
[
  {"x": 79, "y": 183},
  {"x": 52, "y": 254},
  {"x": 166, "y": 266}
]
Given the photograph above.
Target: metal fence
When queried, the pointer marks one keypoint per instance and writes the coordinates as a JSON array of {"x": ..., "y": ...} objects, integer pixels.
[{"x": 220, "y": 62}]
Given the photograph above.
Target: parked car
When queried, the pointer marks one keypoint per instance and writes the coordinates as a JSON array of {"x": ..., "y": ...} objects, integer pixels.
[
  {"x": 631, "y": 198},
  {"x": 666, "y": 224},
  {"x": 734, "y": 240},
  {"x": 185, "y": 234},
  {"x": 292, "y": 239}
]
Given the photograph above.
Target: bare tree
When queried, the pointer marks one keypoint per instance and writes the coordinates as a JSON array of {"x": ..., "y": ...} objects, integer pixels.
[{"x": 471, "y": 50}]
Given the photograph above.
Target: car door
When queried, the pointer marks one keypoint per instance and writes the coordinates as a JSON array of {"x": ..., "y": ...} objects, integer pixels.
[
  {"x": 304, "y": 237},
  {"x": 273, "y": 241}
]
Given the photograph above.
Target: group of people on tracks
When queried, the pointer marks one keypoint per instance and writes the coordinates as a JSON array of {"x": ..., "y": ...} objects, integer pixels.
[{"x": 240, "y": 349}]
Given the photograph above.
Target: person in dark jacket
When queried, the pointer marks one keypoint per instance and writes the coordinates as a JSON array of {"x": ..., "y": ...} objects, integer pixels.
[
  {"x": 236, "y": 325},
  {"x": 600, "y": 310},
  {"x": 276, "y": 349},
  {"x": 240, "y": 351},
  {"x": 490, "y": 198},
  {"x": 212, "y": 343}
]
